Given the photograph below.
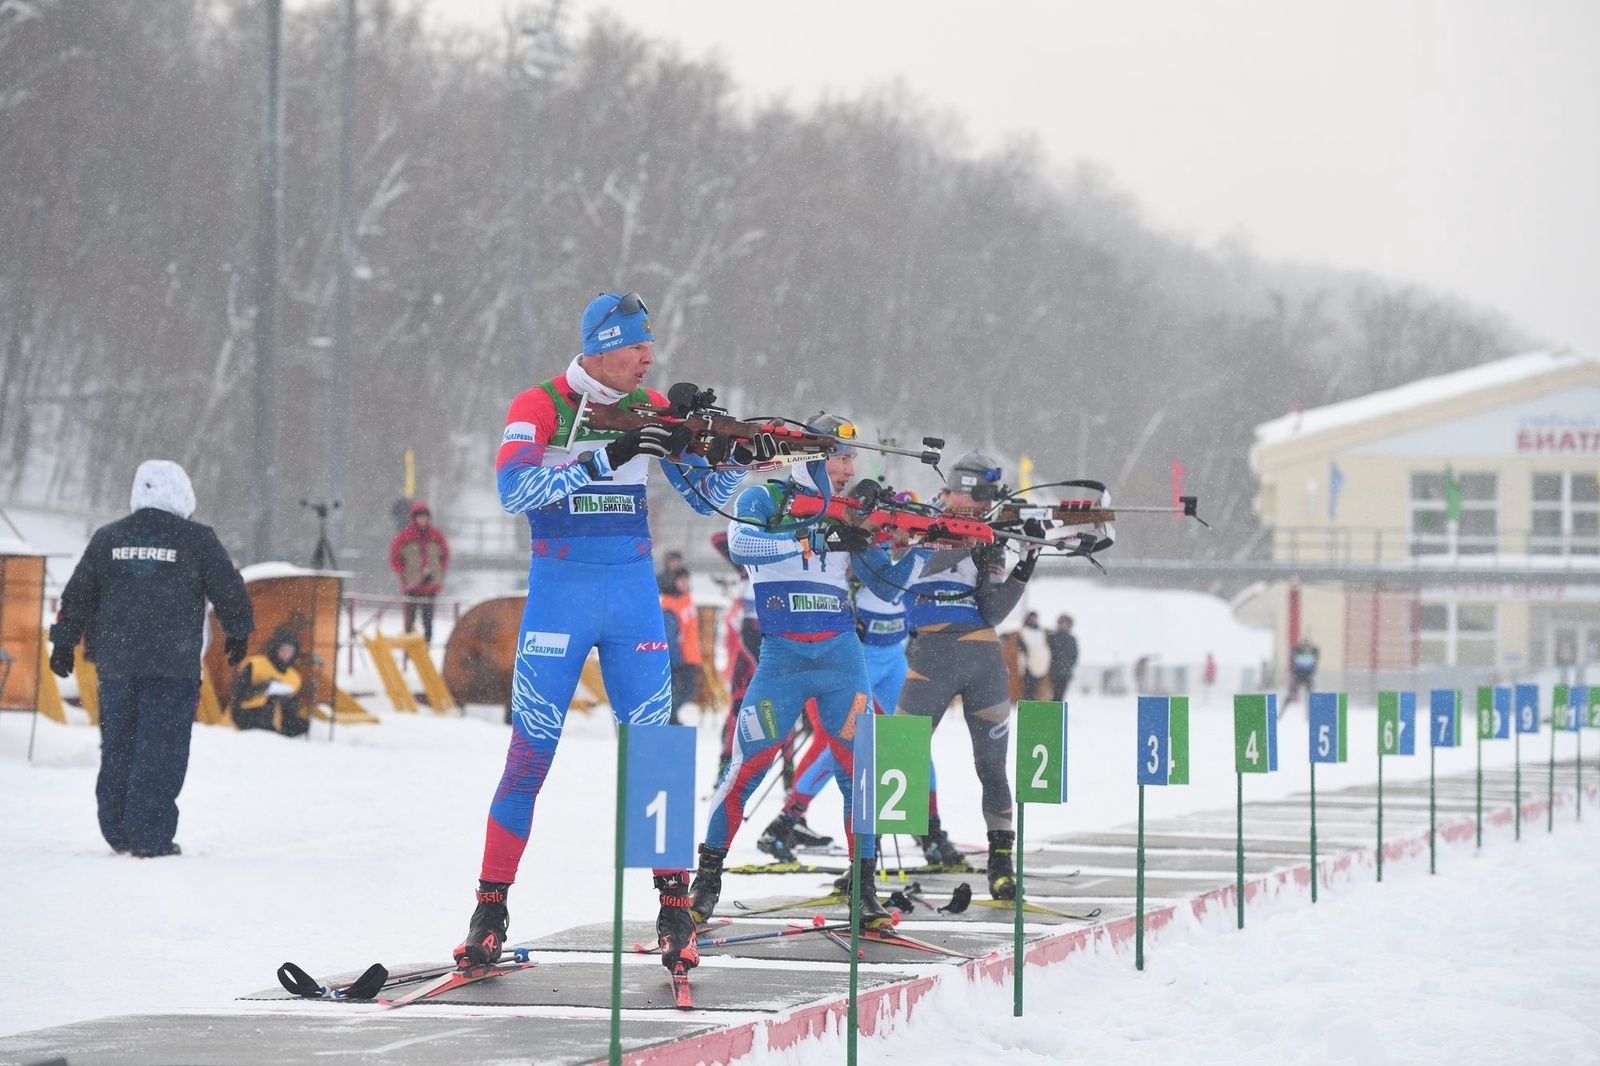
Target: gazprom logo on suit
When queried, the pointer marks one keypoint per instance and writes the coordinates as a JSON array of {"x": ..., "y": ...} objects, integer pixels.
[
  {"x": 886, "y": 625},
  {"x": 553, "y": 645}
]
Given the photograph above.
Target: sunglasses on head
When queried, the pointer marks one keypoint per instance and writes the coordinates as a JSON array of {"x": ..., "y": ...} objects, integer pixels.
[{"x": 630, "y": 304}]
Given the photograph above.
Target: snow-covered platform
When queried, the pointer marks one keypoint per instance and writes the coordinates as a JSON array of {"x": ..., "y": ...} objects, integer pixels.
[{"x": 775, "y": 993}]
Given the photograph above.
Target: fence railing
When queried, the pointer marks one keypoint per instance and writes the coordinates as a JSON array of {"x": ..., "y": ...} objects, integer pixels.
[{"x": 1370, "y": 544}]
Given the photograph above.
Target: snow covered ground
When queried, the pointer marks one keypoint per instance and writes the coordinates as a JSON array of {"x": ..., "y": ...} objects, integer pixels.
[
  {"x": 336, "y": 854},
  {"x": 1490, "y": 962}
]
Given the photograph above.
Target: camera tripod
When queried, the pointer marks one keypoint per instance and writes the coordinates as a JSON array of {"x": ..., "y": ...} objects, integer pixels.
[{"x": 322, "y": 557}]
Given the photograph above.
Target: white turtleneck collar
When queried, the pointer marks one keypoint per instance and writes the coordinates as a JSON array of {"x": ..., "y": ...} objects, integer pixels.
[{"x": 587, "y": 386}]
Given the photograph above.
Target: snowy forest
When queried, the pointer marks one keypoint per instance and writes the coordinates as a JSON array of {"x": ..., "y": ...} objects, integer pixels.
[{"x": 858, "y": 256}]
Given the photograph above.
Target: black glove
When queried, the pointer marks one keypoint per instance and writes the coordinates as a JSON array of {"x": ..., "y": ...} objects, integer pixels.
[
  {"x": 841, "y": 538},
  {"x": 989, "y": 559},
  {"x": 1030, "y": 552},
  {"x": 657, "y": 440},
  {"x": 62, "y": 659},
  {"x": 237, "y": 648},
  {"x": 758, "y": 449}
]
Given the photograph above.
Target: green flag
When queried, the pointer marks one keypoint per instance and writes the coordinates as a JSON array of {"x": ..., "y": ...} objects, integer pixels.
[{"x": 1452, "y": 496}]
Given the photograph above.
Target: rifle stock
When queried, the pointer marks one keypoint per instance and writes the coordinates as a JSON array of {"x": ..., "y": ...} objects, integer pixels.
[
  {"x": 925, "y": 528},
  {"x": 718, "y": 438}
]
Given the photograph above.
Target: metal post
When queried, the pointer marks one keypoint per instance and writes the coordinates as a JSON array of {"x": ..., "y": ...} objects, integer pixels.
[
  {"x": 265, "y": 327},
  {"x": 339, "y": 412},
  {"x": 1477, "y": 729},
  {"x": 1240, "y": 775},
  {"x": 855, "y": 950},
  {"x": 1550, "y": 803},
  {"x": 1017, "y": 960},
  {"x": 1517, "y": 742},
  {"x": 1380, "y": 816},
  {"x": 1313, "y": 832},
  {"x": 616, "y": 906},
  {"x": 1138, "y": 892},
  {"x": 1433, "y": 809}
]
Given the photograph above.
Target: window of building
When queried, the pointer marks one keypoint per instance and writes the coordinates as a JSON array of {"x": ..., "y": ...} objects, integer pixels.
[
  {"x": 1566, "y": 513},
  {"x": 1457, "y": 634},
  {"x": 1477, "y": 531}
]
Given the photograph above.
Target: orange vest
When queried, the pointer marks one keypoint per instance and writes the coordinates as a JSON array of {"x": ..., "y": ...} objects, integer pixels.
[{"x": 688, "y": 626}]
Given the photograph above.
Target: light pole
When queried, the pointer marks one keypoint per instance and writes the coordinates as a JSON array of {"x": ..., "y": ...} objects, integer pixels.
[
  {"x": 537, "y": 51},
  {"x": 265, "y": 326},
  {"x": 339, "y": 413}
]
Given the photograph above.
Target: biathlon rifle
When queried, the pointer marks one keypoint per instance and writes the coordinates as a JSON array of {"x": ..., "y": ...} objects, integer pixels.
[
  {"x": 1014, "y": 510},
  {"x": 725, "y": 441},
  {"x": 871, "y": 504}
]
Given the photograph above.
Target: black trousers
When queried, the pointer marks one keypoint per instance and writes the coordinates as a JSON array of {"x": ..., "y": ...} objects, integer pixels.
[
  {"x": 685, "y": 683},
  {"x": 423, "y": 602},
  {"x": 145, "y": 724}
]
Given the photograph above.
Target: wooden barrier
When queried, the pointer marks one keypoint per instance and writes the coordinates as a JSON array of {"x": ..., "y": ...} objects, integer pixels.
[
  {"x": 413, "y": 648},
  {"x": 307, "y": 602},
  {"x": 482, "y": 652},
  {"x": 88, "y": 678},
  {"x": 26, "y": 662},
  {"x": 47, "y": 695}
]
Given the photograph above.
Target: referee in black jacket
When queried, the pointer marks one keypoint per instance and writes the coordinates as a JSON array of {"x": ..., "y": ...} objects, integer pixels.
[{"x": 139, "y": 595}]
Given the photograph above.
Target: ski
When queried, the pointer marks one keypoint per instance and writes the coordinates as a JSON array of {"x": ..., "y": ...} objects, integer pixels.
[
  {"x": 1037, "y": 908},
  {"x": 961, "y": 899},
  {"x": 372, "y": 981},
  {"x": 902, "y": 940},
  {"x": 457, "y": 978},
  {"x": 784, "y": 868},
  {"x": 300, "y": 983},
  {"x": 938, "y": 868},
  {"x": 835, "y": 899},
  {"x": 680, "y": 987}
]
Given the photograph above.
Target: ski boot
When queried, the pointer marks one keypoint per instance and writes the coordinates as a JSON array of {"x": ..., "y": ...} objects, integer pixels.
[
  {"x": 1002, "y": 875},
  {"x": 777, "y": 839},
  {"x": 802, "y": 835},
  {"x": 675, "y": 926},
  {"x": 707, "y": 887},
  {"x": 487, "y": 931},
  {"x": 938, "y": 851},
  {"x": 873, "y": 913}
]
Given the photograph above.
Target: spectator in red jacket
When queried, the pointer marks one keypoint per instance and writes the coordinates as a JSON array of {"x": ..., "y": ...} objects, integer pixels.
[{"x": 420, "y": 555}]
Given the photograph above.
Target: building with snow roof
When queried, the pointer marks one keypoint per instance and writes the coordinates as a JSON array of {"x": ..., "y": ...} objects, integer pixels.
[{"x": 1450, "y": 527}]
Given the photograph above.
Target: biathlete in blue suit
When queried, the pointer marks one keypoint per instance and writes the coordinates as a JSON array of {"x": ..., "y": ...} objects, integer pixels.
[
  {"x": 881, "y": 623},
  {"x": 810, "y": 654},
  {"x": 591, "y": 584}
]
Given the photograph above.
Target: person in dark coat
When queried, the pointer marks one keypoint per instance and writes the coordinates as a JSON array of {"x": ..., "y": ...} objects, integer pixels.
[
  {"x": 1063, "y": 655},
  {"x": 139, "y": 597}
]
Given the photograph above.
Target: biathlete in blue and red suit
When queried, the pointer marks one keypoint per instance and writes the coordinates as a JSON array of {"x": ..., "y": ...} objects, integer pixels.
[
  {"x": 881, "y": 623},
  {"x": 591, "y": 584},
  {"x": 810, "y": 654}
]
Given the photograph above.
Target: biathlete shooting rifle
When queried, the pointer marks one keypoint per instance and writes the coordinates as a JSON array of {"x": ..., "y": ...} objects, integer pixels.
[
  {"x": 1011, "y": 518},
  {"x": 724, "y": 441}
]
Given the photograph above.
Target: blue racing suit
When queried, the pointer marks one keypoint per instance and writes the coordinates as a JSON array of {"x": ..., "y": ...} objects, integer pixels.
[
  {"x": 810, "y": 653},
  {"x": 591, "y": 584},
  {"x": 882, "y": 625}
]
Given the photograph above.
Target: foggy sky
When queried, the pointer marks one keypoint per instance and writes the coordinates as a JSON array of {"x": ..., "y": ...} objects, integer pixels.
[{"x": 1450, "y": 143}]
